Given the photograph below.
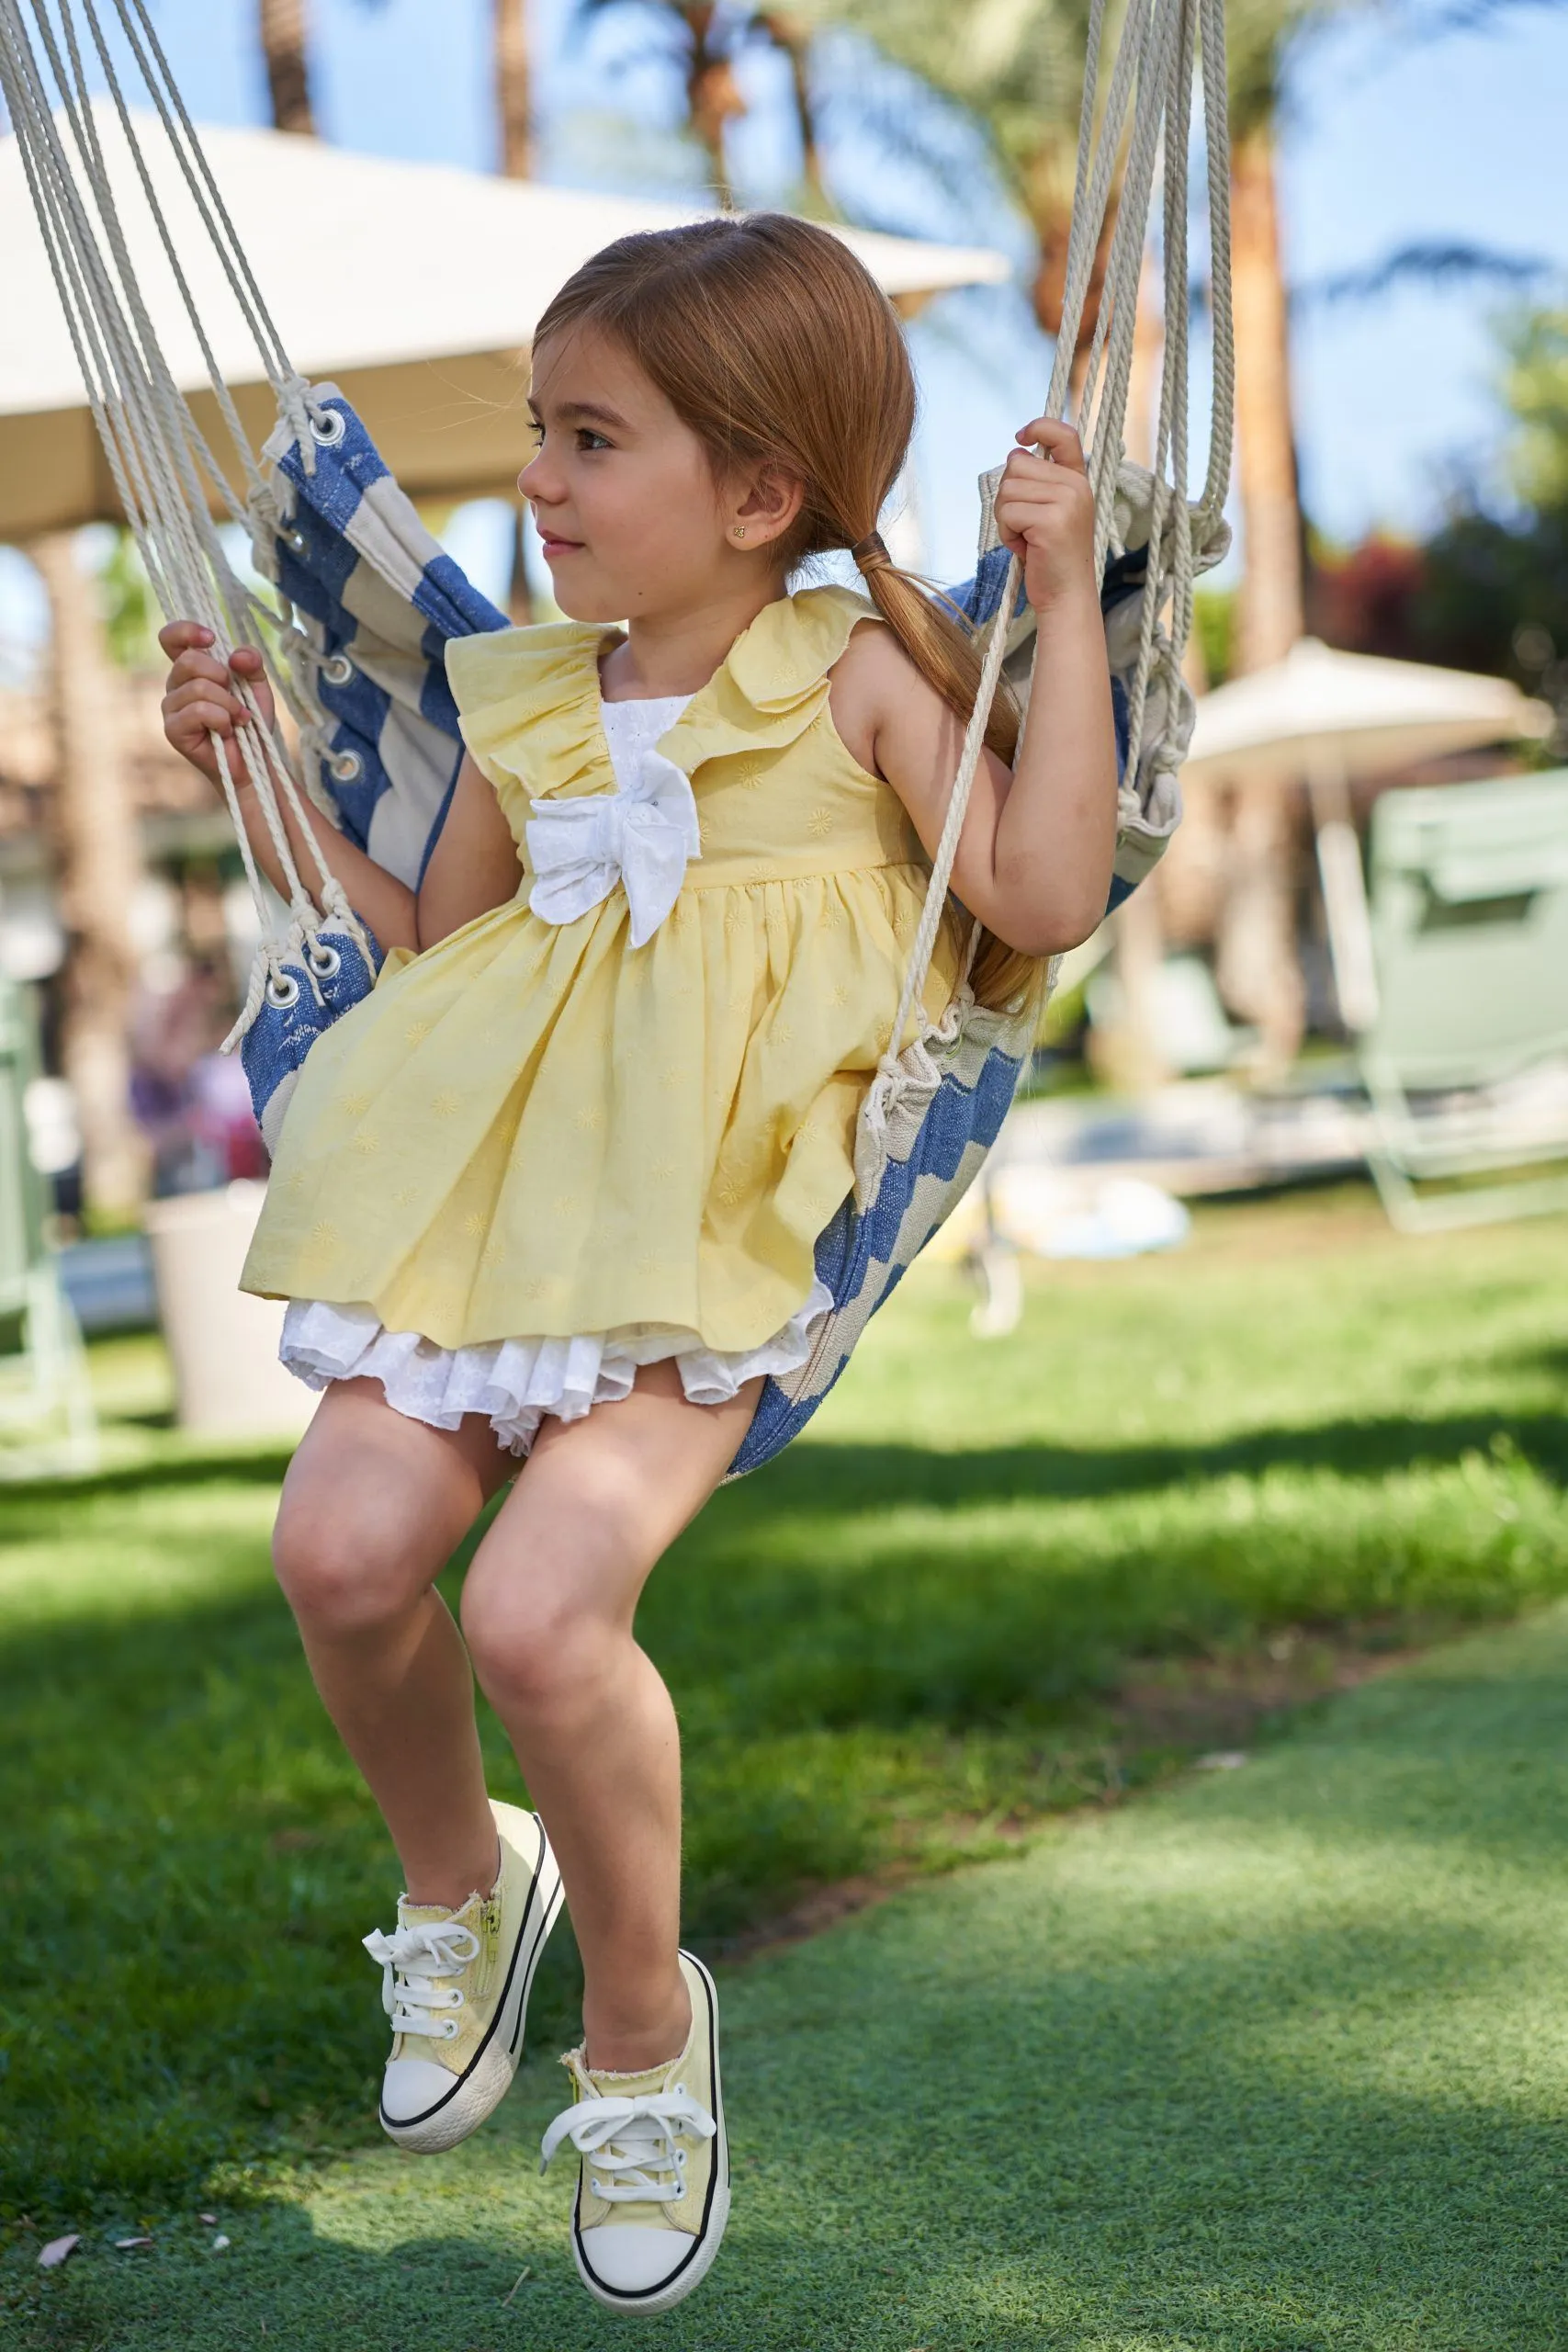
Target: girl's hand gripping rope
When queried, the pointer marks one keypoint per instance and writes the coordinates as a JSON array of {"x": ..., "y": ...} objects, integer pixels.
[
  {"x": 1045, "y": 514},
  {"x": 201, "y": 700}
]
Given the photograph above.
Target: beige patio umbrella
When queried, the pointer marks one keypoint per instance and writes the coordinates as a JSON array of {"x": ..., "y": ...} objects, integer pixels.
[
  {"x": 1333, "y": 719},
  {"x": 414, "y": 287}
]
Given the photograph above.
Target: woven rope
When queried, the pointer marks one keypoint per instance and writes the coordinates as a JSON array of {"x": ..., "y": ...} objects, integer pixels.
[
  {"x": 1153, "y": 75},
  {"x": 163, "y": 468}
]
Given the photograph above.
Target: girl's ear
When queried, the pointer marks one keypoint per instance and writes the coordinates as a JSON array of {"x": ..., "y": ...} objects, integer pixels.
[{"x": 764, "y": 504}]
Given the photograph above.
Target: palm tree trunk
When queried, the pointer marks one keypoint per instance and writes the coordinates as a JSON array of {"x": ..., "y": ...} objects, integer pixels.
[
  {"x": 791, "y": 35},
  {"x": 713, "y": 95},
  {"x": 1259, "y": 969},
  {"x": 1272, "y": 601},
  {"x": 513, "y": 95},
  {"x": 514, "y": 118},
  {"x": 282, "y": 27},
  {"x": 99, "y": 868}
]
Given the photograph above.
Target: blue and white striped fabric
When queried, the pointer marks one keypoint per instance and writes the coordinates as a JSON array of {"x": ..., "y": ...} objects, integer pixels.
[{"x": 376, "y": 599}]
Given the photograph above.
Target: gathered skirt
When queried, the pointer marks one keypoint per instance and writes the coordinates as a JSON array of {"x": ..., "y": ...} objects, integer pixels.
[{"x": 515, "y": 1383}]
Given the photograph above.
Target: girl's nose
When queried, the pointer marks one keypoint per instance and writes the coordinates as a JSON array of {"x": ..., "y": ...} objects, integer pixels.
[{"x": 533, "y": 482}]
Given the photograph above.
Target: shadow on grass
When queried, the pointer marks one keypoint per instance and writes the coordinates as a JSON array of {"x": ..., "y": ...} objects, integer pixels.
[{"x": 836, "y": 1475}]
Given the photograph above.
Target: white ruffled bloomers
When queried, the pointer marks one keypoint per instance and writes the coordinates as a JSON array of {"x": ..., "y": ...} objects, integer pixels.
[{"x": 516, "y": 1382}]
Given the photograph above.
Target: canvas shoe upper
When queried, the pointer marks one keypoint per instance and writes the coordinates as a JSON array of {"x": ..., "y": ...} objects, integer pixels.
[
  {"x": 455, "y": 1986},
  {"x": 653, "y": 2189}
]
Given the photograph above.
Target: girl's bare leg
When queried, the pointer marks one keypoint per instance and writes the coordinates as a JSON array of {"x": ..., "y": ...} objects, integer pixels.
[
  {"x": 373, "y": 1506},
  {"x": 547, "y": 1613}
]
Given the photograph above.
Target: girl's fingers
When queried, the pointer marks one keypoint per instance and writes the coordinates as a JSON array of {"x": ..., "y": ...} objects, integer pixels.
[
  {"x": 1050, "y": 432},
  {"x": 181, "y": 636},
  {"x": 201, "y": 719},
  {"x": 1021, "y": 467},
  {"x": 200, "y": 666},
  {"x": 207, "y": 692}
]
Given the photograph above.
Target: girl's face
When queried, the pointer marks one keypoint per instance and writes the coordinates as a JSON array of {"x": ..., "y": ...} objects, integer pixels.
[{"x": 633, "y": 523}]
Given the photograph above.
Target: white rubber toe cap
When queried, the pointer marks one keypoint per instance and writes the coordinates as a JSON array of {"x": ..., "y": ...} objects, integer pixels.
[
  {"x": 629, "y": 2260},
  {"x": 411, "y": 2086}
]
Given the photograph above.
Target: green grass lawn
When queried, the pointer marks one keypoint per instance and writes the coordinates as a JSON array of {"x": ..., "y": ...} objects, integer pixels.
[
  {"x": 998, "y": 1580},
  {"x": 1273, "y": 2062}
]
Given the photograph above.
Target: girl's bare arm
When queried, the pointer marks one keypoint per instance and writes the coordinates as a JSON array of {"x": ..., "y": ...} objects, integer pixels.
[
  {"x": 472, "y": 868},
  {"x": 1035, "y": 856}
]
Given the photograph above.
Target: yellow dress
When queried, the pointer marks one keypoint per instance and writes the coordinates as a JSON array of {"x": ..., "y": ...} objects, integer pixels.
[{"x": 538, "y": 1128}]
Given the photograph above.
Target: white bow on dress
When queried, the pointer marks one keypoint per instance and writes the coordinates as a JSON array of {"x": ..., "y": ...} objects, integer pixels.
[{"x": 641, "y": 836}]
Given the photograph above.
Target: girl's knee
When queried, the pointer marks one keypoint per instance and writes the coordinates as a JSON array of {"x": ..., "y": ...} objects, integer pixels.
[
  {"x": 536, "y": 1653},
  {"x": 346, "y": 1568}
]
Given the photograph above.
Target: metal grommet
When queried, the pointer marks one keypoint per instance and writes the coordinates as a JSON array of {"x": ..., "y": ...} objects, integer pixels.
[
  {"x": 296, "y": 539},
  {"x": 329, "y": 426},
  {"x": 282, "y": 993},
  {"x": 325, "y": 962},
  {"x": 337, "y": 670},
  {"x": 346, "y": 765}
]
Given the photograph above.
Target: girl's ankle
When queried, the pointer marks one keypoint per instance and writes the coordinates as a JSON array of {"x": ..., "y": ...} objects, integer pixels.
[
  {"x": 635, "y": 2046},
  {"x": 434, "y": 1888}
]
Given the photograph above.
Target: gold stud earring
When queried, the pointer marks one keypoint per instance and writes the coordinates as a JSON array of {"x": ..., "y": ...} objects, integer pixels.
[{"x": 740, "y": 530}]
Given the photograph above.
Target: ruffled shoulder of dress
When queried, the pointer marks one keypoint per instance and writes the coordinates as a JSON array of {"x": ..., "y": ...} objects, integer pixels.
[
  {"x": 774, "y": 681},
  {"x": 529, "y": 698},
  {"x": 529, "y": 705}
]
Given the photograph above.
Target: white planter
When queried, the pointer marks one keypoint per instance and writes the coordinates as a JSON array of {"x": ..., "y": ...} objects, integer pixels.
[{"x": 228, "y": 1381}]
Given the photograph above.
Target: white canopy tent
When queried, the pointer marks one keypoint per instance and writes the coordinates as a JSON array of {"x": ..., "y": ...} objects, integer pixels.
[
  {"x": 414, "y": 287},
  {"x": 1323, "y": 711},
  {"x": 1331, "y": 720}
]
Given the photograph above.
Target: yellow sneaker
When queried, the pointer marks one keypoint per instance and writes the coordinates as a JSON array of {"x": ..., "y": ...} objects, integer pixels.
[
  {"x": 455, "y": 1986},
  {"x": 653, "y": 2191}
]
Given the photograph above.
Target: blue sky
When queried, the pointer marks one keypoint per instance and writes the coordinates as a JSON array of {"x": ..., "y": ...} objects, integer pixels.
[{"x": 1390, "y": 139}]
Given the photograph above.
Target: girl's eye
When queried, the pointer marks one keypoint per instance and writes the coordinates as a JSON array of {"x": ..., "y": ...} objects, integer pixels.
[
  {"x": 588, "y": 440},
  {"x": 537, "y": 430}
]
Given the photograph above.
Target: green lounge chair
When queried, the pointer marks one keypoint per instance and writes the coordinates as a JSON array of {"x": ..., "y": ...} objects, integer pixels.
[
  {"x": 47, "y": 1422},
  {"x": 1466, "y": 928}
]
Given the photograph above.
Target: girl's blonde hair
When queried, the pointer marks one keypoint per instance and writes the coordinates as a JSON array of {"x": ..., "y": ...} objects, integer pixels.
[{"x": 774, "y": 347}]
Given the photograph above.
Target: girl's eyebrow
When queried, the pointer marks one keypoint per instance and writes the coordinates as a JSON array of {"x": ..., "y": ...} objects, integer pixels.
[{"x": 586, "y": 412}]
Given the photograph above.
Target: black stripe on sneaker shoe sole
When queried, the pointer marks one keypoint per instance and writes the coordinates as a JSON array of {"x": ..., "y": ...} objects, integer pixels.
[
  {"x": 547, "y": 1913},
  {"x": 648, "y": 2299}
]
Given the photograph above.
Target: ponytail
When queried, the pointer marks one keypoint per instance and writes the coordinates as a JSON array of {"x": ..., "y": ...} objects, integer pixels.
[{"x": 942, "y": 647}]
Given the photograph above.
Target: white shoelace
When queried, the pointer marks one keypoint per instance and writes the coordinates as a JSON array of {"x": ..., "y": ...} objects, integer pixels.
[
  {"x": 634, "y": 2140},
  {"x": 411, "y": 1960}
]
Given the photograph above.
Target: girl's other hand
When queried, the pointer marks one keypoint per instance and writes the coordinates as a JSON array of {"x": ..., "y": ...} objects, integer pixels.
[
  {"x": 201, "y": 700},
  {"x": 1045, "y": 514}
]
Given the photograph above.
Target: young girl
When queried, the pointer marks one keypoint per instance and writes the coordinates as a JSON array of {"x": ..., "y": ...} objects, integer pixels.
[{"x": 553, "y": 1190}]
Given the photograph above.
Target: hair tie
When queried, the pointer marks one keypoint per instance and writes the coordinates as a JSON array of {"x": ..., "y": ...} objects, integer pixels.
[{"x": 871, "y": 553}]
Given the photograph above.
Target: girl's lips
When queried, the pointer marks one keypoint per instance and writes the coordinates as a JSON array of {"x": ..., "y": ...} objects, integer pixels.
[{"x": 559, "y": 547}]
